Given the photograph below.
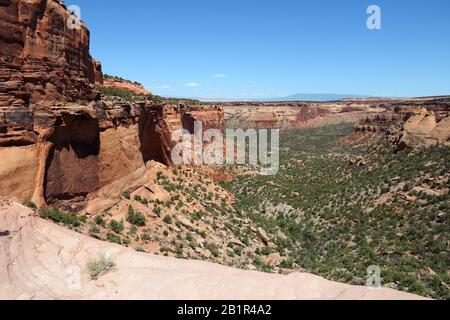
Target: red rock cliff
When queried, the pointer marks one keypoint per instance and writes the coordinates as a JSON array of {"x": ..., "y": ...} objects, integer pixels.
[
  {"x": 41, "y": 58},
  {"x": 53, "y": 147}
]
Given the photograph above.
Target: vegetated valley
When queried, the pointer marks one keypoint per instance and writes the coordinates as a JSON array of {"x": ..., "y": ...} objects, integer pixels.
[{"x": 342, "y": 202}]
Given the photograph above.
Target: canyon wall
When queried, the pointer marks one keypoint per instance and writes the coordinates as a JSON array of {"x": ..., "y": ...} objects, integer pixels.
[
  {"x": 65, "y": 153},
  {"x": 411, "y": 126},
  {"x": 117, "y": 83},
  {"x": 41, "y": 59},
  {"x": 295, "y": 115},
  {"x": 59, "y": 140}
]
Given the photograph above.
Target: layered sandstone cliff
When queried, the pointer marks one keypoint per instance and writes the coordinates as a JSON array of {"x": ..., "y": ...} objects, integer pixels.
[
  {"x": 42, "y": 58},
  {"x": 118, "y": 83},
  {"x": 59, "y": 141},
  {"x": 411, "y": 126},
  {"x": 65, "y": 153}
]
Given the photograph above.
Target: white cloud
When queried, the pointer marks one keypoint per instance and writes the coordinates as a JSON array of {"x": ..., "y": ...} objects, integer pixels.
[
  {"x": 163, "y": 87},
  {"x": 220, "y": 75},
  {"x": 192, "y": 84}
]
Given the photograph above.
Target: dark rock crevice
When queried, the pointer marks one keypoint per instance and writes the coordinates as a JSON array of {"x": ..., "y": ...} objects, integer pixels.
[{"x": 72, "y": 166}]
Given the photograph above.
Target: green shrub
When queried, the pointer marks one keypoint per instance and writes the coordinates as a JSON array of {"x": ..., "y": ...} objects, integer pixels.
[
  {"x": 260, "y": 265},
  {"x": 99, "y": 266},
  {"x": 146, "y": 237},
  {"x": 164, "y": 249},
  {"x": 133, "y": 230},
  {"x": 100, "y": 221},
  {"x": 32, "y": 205},
  {"x": 213, "y": 248},
  {"x": 126, "y": 242},
  {"x": 60, "y": 217},
  {"x": 94, "y": 230},
  {"x": 135, "y": 217},
  {"x": 127, "y": 195},
  {"x": 116, "y": 226},
  {"x": 168, "y": 219},
  {"x": 111, "y": 237},
  {"x": 157, "y": 211}
]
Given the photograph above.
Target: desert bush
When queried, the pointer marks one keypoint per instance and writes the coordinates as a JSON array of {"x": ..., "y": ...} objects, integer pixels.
[
  {"x": 111, "y": 237},
  {"x": 32, "y": 205},
  {"x": 100, "y": 265},
  {"x": 157, "y": 210},
  {"x": 94, "y": 230},
  {"x": 127, "y": 195},
  {"x": 213, "y": 248},
  {"x": 116, "y": 226},
  {"x": 168, "y": 219},
  {"x": 135, "y": 217},
  {"x": 146, "y": 237},
  {"x": 99, "y": 221},
  {"x": 60, "y": 217}
]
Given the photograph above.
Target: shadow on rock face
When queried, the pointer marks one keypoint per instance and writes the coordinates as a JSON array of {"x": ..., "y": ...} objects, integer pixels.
[{"x": 72, "y": 165}]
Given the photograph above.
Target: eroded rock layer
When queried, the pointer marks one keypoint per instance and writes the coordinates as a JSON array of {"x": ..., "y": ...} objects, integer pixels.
[
  {"x": 42, "y": 58},
  {"x": 118, "y": 83},
  {"x": 411, "y": 126},
  {"x": 64, "y": 153},
  {"x": 296, "y": 114},
  {"x": 58, "y": 140}
]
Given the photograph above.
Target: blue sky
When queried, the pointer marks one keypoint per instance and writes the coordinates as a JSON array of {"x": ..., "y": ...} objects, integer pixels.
[{"x": 257, "y": 49}]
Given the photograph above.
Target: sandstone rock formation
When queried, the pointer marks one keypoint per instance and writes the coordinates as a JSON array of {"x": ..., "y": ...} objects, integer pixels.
[
  {"x": 411, "y": 126},
  {"x": 41, "y": 260},
  {"x": 42, "y": 60},
  {"x": 295, "y": 115},
  {"x": 58, "y": 140},
  {"x": 114, "y": 82},
  {"x": 65, "y": 153}
]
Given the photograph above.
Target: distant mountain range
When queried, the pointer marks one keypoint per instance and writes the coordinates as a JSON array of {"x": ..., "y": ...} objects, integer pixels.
[
  {"x": 318, "y": 97},
  {"x": 295, "y": 97}
]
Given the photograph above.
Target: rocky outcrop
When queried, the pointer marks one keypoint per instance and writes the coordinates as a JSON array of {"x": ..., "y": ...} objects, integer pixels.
[
  {"x": 211, "y": 118},
  {"x": 57, "y": 154},
  {"x": 34, "y": 252},
  {"x": 42, "y": 60},
  {"x": 295, "y": 115},
  {"x": 411, "y": 126},
  {"x": 118, "y": 83},
  {"x": 59, "y": 142}
]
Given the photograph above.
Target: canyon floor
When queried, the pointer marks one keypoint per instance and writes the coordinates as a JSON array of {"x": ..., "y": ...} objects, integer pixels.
[{"x": 41, "y": 260}]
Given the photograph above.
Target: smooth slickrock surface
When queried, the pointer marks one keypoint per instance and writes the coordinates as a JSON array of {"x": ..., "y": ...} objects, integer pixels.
[{"x": 39, "y": 260}]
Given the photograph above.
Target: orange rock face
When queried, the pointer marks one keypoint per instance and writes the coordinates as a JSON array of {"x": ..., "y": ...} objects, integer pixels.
[
  {"x": 53, "y": 147},
  {"x": 109, "y": 82},
  {"x": 41, "y": 59},
  {"x": 411, "y": 126},
  {"x": 69, "y": 152}
]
